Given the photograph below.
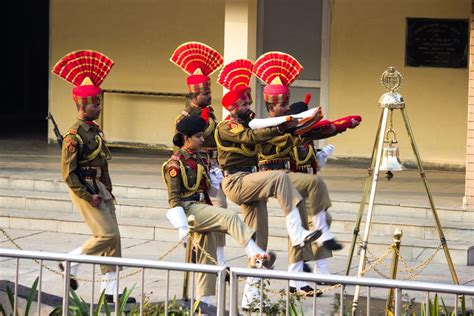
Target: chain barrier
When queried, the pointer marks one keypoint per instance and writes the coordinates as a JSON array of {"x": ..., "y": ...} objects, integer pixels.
[
  {"x": 371, "y": 264},
  {"x": 61, "y": 274}
]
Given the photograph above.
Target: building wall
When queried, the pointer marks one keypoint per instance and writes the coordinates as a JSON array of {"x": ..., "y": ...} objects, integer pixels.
[
  {"x": 367, "y": 36},
  {"x": 139, "y": 36},
  {"x": 469, "y": 187}
]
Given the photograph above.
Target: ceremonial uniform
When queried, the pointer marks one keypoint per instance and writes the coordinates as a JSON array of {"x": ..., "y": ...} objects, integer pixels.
[
  {"x": 237, "y": 155},
  {"x": 85, "y": 154},
  {"x": 187, "y": 182},
  {"x": 84, "y": 165},
  {"x": 205, "y": 61},
  {"x": 303, "y": 160}
]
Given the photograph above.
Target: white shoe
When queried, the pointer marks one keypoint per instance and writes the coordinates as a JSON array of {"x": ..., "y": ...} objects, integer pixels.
[{"x": 251, "y": 296}]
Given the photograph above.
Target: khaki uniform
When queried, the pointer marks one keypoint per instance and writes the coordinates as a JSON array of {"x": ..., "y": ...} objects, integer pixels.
[
  {"x": 288, "y": 155},
  {"x": 237, "y": 155},
  {"x": 185, "y": 175},
  {"x": 84, "y": 151},
  {"x": 210, "y": 147}
]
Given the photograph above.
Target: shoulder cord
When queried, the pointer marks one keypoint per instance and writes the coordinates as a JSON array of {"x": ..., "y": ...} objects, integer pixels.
[
  {"x": 304, "y": 161},
  {"x": 243, "y": 150},
  {"x": 201, "y": 172}
]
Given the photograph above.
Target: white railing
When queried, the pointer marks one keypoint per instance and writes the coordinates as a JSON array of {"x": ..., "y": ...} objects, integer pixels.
[
  {"x": 118, "y": 262},
  {"x": 344, "y": 281},
  {"x": 235, "y": 274}
]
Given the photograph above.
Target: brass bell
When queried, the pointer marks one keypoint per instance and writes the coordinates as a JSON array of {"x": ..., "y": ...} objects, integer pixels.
[{"x": 390, "y": 160}]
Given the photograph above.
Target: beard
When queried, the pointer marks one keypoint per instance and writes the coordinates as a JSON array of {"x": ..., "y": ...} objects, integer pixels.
[{"x": 245, "y": 116}]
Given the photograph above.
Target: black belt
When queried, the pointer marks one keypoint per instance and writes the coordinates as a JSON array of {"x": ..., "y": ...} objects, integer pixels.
[
  {"x": 232, "y": 170},
  {"x": 274, "y": 165},
  {"x": 196, "y": 197},
  {"x": 305, "y": 169}
]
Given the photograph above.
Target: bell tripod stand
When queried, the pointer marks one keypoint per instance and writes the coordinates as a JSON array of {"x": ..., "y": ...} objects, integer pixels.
[{"x": 389, "y": 101}]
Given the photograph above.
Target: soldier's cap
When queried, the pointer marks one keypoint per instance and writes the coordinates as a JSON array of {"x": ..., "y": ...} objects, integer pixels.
[
  {"x": 298, "y": 107},
  {"x": 191, "y": 125}
]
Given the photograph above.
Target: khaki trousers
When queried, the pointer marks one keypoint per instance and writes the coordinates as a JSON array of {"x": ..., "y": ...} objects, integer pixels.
[
  {"x": 313, "y": 190},
  {"x": 320, "y": 252},
  {"x": 251, "y": 191},
  {"x": 220, "y": 201},
  {"x": 102, "y": 222},
  {"x": 315, "y": 193},
  {"x": 208, "y": 218}
]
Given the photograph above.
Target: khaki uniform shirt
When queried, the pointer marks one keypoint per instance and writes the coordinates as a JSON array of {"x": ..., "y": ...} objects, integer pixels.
[
  {"x": 84, "y": 146},
  {"x": 185, "y": 174},
  {"x": 236, "y": 143}
]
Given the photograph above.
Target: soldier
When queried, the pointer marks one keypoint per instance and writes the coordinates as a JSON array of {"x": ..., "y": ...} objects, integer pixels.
[
  {"x": 187, "y": 180},
  {"x": 206, "y": 60},
  {"x": 84, "y": 165},
  {"x": 278, "y": 156},
  {"x": 306, "y": 159},
  {"x": 242, "y": 184}
]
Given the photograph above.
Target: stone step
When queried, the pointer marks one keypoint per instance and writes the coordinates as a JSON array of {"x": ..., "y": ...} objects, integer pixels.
[
  {"x": 343, "y": 222},
  {"x": 126, "y": 195},
  {"x": 413, "y": 249}
]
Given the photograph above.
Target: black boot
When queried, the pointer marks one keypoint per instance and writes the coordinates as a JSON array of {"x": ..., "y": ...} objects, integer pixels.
[
  {"x": 306, "y": 291},
  {"x": 72, "y": 280},
  {"x": 332, "y": 244},
  {"x": 109, "y": 299}
]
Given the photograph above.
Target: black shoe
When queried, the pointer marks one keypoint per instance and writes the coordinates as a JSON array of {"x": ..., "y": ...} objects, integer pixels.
[
  {"x": 306, "y": 268},
  {"x": 306, "y": 291},
  {"x": 332, "y": 244},
  {"x": 72, "y": 280},
  {"x": 312, "y": 236},
  {"x": 109, "y": 299},
  {"x": 206, "y": 309}
]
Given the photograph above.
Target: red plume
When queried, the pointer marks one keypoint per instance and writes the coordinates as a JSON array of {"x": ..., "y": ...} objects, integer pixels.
[
  {"x": 205, "y": 114},
  {"x": 307, "y": 98}
]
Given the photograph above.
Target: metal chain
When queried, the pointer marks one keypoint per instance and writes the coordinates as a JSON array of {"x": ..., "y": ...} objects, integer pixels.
[
  {"x": 413, "y": 272},
  {"x": 61, "y": 274}
]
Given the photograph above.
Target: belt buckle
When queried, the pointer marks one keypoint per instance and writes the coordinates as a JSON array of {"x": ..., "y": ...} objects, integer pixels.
[{"x": 201, "y": 196}]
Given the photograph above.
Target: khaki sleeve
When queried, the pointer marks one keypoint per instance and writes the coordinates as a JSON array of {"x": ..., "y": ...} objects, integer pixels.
[
  {"x": 106, "y": 177},
  {"x": 172, "y": 175},
  {"x": 246, "y": 136},
  {"x": 69, "y": 168}
]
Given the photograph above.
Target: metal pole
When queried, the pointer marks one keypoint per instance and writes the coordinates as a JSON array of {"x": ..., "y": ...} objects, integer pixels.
[
  {"x": 233, "y": 306},
  {"x": 167, "y": 291},
  {"x": 67, "y": 275},
  {"x": 15, "y": 299},
  {"x": 142, "y": 291},
  {"x": 373, "y": 189},
  {"x": 430, "y": 198},
  {"x": 221, "y": 292},
  {"x": 91, "y": 308},
  {"x": 116, "y": 293},
  {"x": 368, "y": 179},
  {"x": 40, "y": 286},
  {"x": 397, "y": 236},
  {"x": 398, "y": 302},
  {"x": 188, "y": 256}
]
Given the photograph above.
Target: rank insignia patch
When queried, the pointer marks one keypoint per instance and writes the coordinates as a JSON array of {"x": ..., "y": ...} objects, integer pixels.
[
  {"x": 236, "y": 128},
  {"x": 172, "y": 172}
]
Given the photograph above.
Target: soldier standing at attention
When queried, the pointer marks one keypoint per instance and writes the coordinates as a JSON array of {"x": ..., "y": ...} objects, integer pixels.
[
  {"x": 237, "y": 155},
  {"x": 84, "y": 164},
  {"x": 199, "y": 61},
  {"x": 187, "y": 180}
]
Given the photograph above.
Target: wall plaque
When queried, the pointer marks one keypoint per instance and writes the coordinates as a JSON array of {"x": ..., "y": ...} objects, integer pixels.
[{"x": 437, "y": 43}]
